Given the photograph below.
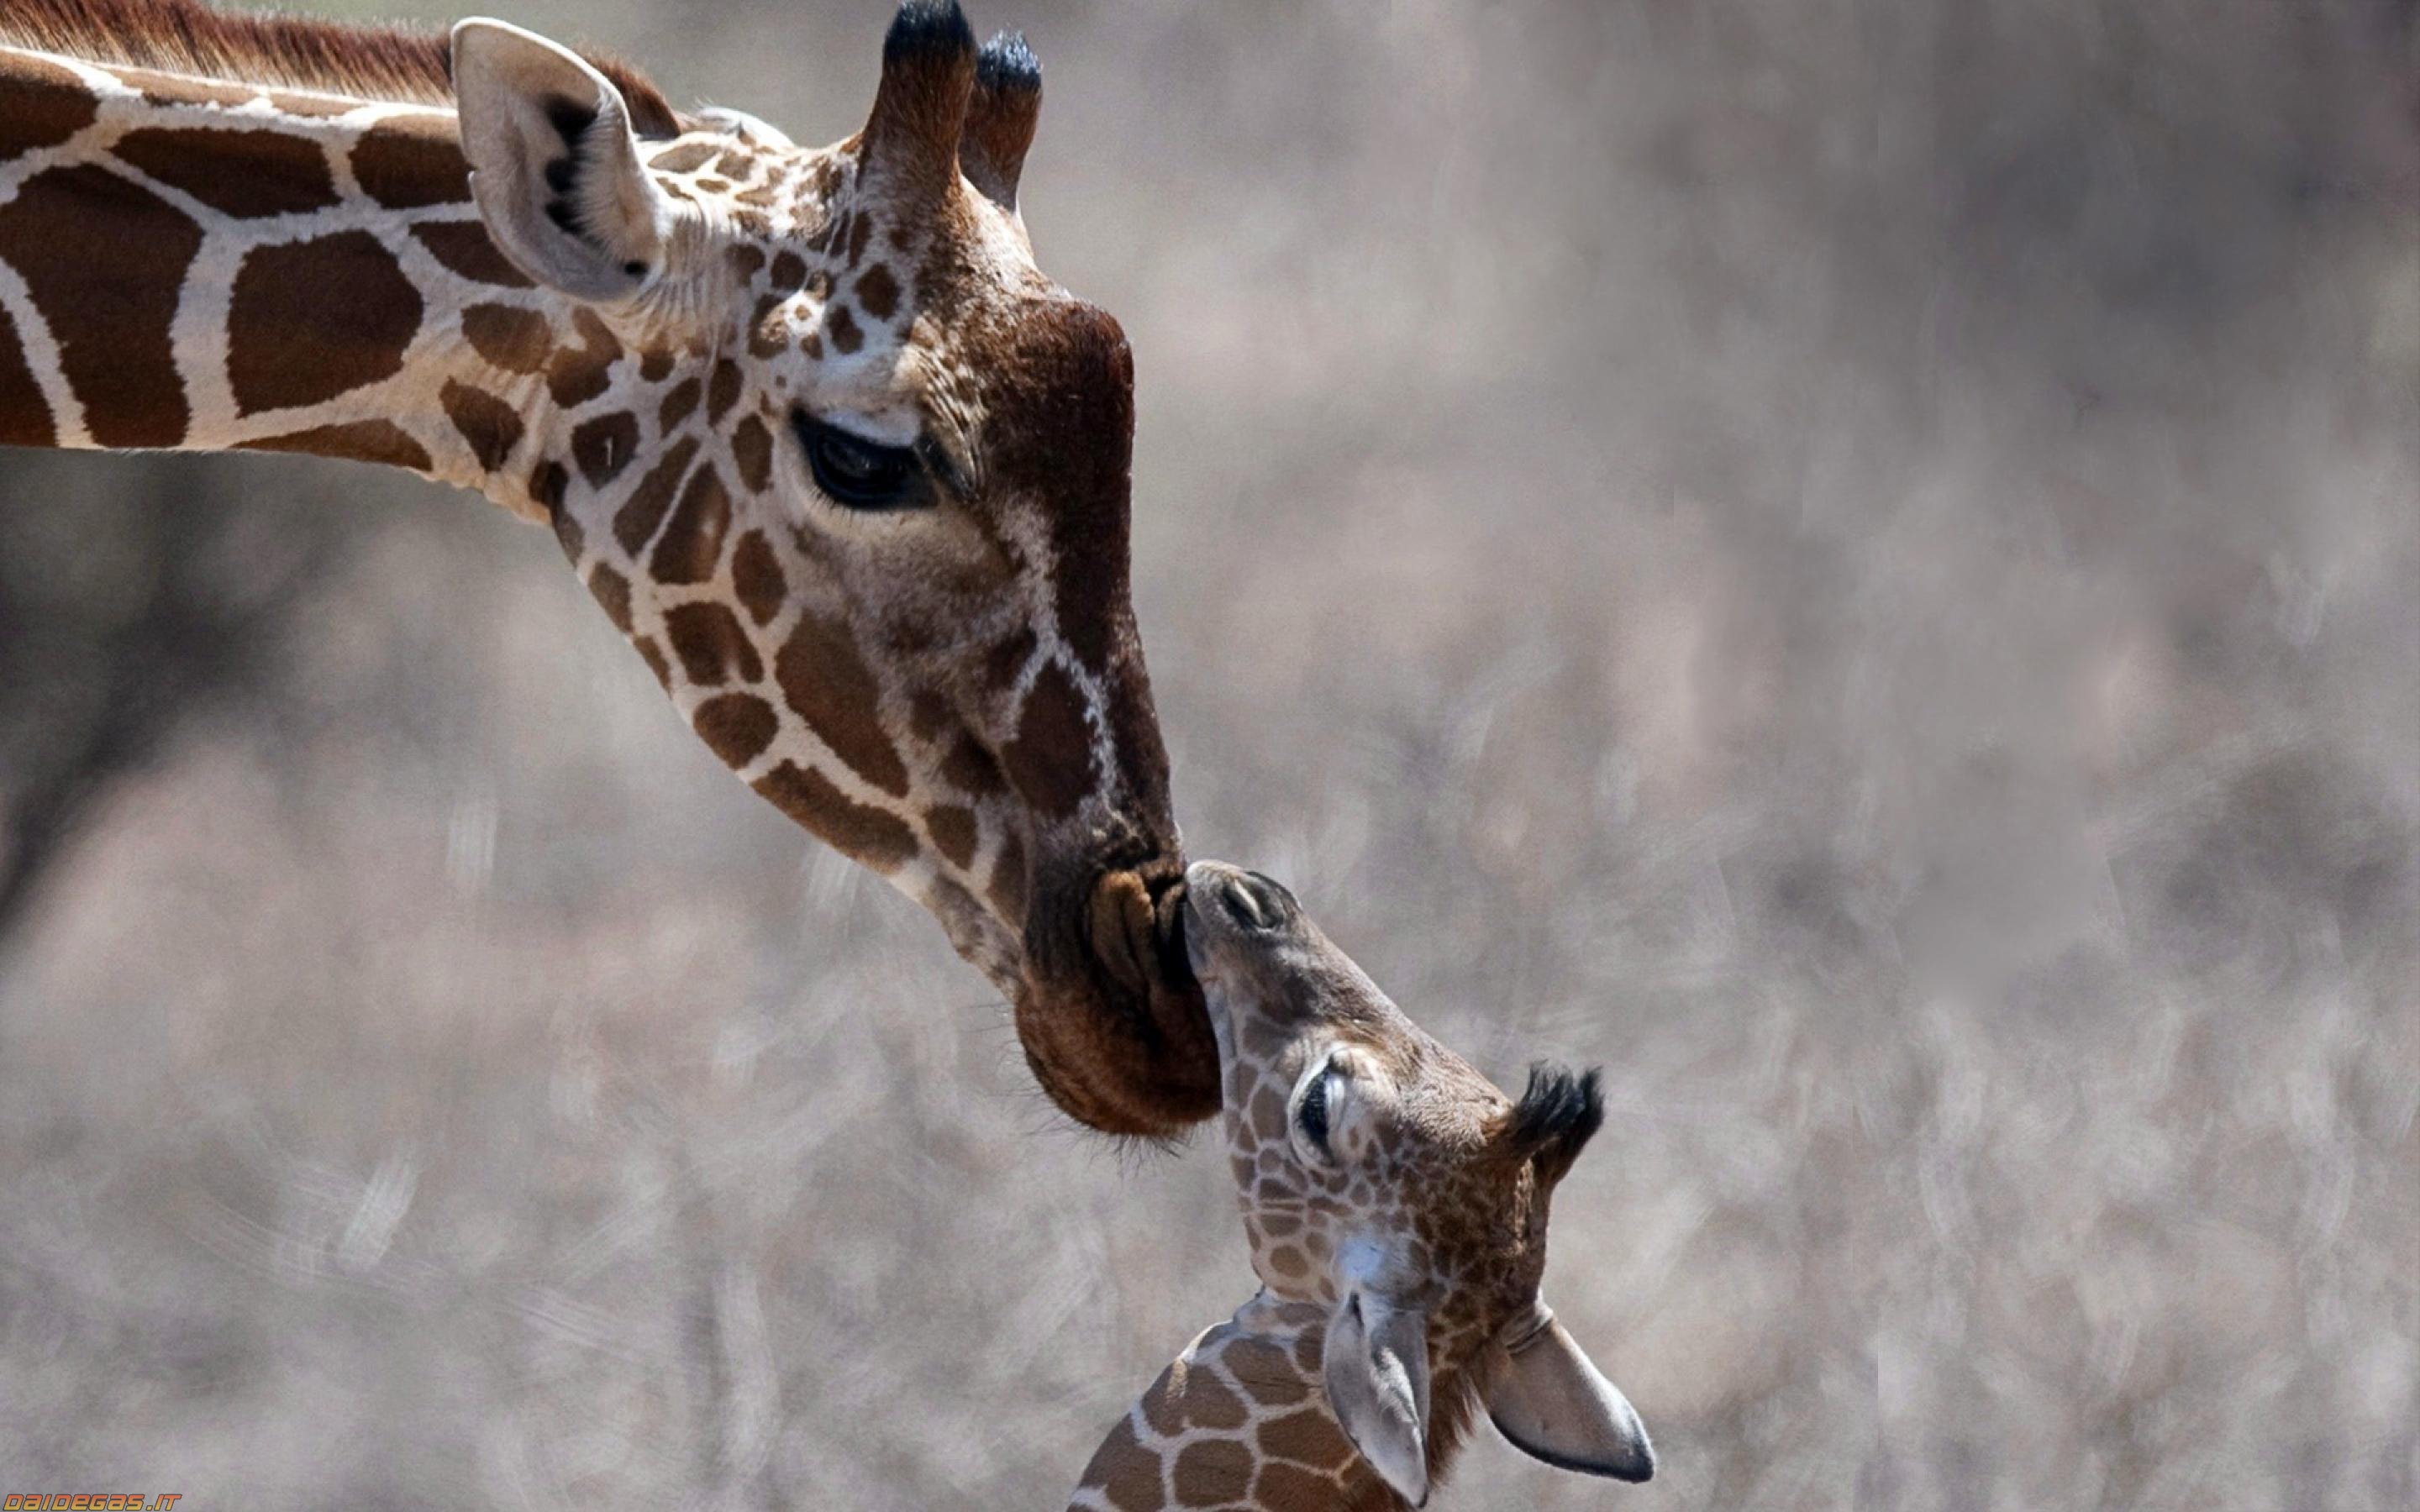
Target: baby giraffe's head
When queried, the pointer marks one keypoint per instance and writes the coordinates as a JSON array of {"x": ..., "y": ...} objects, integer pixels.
[{"x": 1386, "y": 1181}]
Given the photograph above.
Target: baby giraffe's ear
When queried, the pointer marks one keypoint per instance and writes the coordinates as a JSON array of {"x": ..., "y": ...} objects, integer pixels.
[
  {"x": 1554, "y": 1405},
  {"x": 1377, "y": 1375},
  {"x": 554, "y": 165}
]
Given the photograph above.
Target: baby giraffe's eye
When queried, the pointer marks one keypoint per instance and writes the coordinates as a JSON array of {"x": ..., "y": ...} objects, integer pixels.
[
  {"x": 1313, "y": 1116},
  {"x": 1314, "y": 1112}
]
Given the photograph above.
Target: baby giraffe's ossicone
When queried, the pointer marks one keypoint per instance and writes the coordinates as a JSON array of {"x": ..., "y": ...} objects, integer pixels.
[{"x": 1396, "y": 1203}]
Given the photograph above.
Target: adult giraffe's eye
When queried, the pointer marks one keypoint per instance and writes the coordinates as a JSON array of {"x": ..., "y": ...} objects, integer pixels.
[{"x": 857, "y": 473}]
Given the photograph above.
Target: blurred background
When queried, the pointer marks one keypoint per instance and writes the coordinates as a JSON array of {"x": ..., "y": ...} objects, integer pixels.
[{"x": 1856, "y": 563}]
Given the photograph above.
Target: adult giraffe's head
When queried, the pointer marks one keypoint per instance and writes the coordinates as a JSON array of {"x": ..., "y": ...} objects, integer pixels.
[{"x": 855, "y": 482}]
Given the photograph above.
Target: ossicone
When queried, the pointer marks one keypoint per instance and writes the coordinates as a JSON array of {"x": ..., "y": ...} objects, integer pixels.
[
  {"x": 920, "y": 111},
  {"x": 1000, "y": 118},
  {"x": 1555, "y": 1116}
]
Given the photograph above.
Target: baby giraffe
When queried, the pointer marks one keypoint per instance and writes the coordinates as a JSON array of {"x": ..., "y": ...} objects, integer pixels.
[{"x": 1396, "y": 1204}]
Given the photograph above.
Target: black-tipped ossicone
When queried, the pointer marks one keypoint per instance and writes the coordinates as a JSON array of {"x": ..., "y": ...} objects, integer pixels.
[
  {"x": 1000, "y": 118},
  {"x": 928, "y": 74},
  {"x": 927, "y": 28},
  {"x": 1555, "y": 1116},
  {"x": 1006, "y": 63}
]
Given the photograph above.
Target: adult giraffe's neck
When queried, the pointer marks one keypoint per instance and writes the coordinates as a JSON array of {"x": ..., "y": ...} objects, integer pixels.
[
  {"x": 207, "y": 265},
  {"x": 1240, "y": 1419}
]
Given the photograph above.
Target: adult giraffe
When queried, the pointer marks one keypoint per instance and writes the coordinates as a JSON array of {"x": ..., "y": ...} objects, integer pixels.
[{"x": 847, "y": 469}]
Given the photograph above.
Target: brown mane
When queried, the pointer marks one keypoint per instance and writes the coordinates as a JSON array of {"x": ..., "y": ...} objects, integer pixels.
[{"x": 391, "y": 63}]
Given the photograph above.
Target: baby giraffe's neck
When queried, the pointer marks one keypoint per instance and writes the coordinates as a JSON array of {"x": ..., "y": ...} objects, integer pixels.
[{"x": 1241, "y": 1419}]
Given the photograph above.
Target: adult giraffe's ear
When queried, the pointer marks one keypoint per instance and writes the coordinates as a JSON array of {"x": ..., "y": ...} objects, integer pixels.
[
  {"x": 555, "y": 163},
  {"x": 1553, "y": 1404},
  {"x": 1376, "y": 1368}
]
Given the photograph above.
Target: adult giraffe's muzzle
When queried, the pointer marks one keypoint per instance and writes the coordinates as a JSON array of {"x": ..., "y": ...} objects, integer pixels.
[{"x": 1110, "y": 1018}]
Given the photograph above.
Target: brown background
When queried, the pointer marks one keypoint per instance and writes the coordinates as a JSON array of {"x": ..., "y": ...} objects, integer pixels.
[{"x": 1854, "y": 563}]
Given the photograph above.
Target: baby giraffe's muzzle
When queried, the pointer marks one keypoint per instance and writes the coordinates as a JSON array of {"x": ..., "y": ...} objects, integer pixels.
[{"x": 1249, "y": 900}]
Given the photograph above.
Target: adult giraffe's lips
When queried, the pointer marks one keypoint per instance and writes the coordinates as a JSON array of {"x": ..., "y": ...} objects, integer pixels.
[
  {"x": 1115, "y": 1030},
  {"x": 1137, "y": 931}
]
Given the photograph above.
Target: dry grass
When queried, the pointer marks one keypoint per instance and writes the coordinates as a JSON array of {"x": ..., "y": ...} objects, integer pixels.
[{"x": 1854, "y": 563}]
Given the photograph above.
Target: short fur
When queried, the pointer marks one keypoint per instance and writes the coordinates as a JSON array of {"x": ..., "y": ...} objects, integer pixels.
[{"x": 390, "y": 63}]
